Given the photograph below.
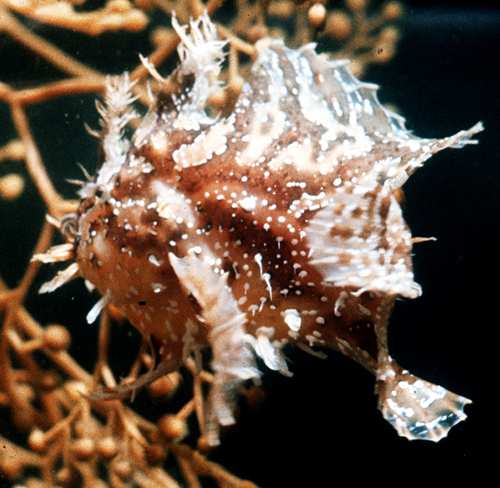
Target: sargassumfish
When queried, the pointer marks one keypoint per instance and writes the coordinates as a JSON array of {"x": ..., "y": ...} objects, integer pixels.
[{"x": 275, "y": 224}]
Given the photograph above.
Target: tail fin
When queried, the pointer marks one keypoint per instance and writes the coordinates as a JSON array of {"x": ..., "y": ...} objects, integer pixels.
[{"x": 416, "y": 408}]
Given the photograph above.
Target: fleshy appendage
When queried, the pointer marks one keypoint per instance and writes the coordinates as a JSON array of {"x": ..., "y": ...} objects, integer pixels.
[
  {"x": 416, "y": 408},
  {"x": 233, "y": 360}
]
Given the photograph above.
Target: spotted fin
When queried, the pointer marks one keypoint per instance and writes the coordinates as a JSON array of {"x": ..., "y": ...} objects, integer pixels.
[
  {"x": 416, "y": 408},
  {"x": 232, "y": 348},
  {"x": 323, "y": 118},
  {"x": 360, "y": 239}
]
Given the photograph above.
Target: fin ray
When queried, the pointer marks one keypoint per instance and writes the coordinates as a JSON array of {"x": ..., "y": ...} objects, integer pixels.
[{"x": 360, "y": 239}]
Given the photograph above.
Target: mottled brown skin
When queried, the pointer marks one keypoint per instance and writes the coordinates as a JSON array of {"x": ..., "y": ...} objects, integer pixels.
[
  {"x": 275, "y": 224},
  {"x": 239, "y": 234}
]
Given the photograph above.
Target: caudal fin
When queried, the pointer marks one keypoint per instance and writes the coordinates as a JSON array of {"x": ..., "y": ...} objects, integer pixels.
[{"x": 416, "y": 408}]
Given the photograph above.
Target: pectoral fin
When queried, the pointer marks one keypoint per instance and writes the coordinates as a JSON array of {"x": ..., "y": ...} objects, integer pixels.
[
  {"x": 361, "y": 240},
  {"x": 233, "y": 354}
]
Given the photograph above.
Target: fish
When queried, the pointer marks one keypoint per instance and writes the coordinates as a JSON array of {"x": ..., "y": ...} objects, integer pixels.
[{"x": 277, "y": 223}]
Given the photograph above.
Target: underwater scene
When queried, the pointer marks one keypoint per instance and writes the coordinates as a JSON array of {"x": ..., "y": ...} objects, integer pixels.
[{"x": 248, "y": 243}]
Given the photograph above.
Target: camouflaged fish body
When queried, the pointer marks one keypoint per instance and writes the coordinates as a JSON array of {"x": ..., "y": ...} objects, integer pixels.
[{"x": 275, "y": 224}]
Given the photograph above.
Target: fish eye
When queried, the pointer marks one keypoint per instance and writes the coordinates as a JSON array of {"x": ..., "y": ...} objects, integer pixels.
[{"x": 69, "y": 226}]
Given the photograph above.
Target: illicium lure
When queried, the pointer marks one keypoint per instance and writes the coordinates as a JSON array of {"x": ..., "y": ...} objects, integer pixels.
[{"x": 275, "y": 224}]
